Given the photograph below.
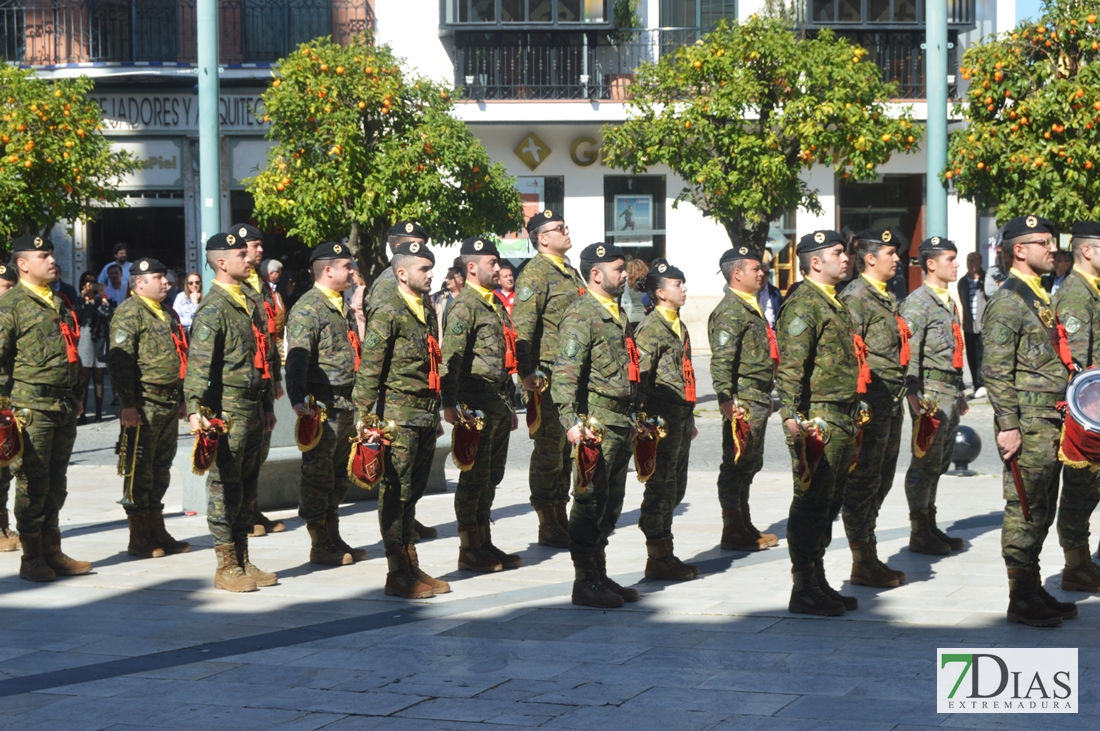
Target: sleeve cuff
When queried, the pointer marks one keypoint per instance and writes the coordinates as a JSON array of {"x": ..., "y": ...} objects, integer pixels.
[{"x": 1007, "y": 422}]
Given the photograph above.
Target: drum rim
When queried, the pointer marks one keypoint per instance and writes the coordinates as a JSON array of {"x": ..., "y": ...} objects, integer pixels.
[{"x": 1079, "y": 382}]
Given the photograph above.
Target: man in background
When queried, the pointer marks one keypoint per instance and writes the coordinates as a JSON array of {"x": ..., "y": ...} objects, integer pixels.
[
  {"x": 120, "y": 253},
  {"x": 506, "y": 292},
  {"x": 117, "y": 290},
  {"x": 972, "y": 297}
]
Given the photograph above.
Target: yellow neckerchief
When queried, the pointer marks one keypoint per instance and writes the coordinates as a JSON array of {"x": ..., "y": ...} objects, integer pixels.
[
  {"x": 558, "y": 261},
  {"x": 828, "y": 289},
  {"x": 609, "y": 304},
  {"x": 1035, "y": 282},
  {"x": 155, "y": 307},
  {"x": 44, "y": 293},
  {"x": 880, "y": 286},
  {"x": 942, "y": 292},
  {"x": 750, "y": 299},
  {"x": 416, "y": 304},
  {"x": 673, "y": 318},
  {"x": 254, "y": 282},
  {"x": 332, "y": 296},
  {"x": 486, "y": 295},
  {"x": 234, "y": 291},
  {"x": 1092, "y": 279}
]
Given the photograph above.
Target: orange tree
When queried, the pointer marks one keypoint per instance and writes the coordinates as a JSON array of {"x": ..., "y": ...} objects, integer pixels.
[
  {"x": 361, "y": 143},
  {"x": 741, "y": 114},
  {"x": 1032, "y": 139},
  {"x": 55, "y": 164}
]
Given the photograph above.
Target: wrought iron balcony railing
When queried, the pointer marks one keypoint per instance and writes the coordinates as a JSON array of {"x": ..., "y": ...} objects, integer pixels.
[{"x": 55, "y": 32}]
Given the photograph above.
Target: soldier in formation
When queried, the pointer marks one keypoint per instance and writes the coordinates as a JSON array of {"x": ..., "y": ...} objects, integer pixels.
[{"x": 9, "y": 539}]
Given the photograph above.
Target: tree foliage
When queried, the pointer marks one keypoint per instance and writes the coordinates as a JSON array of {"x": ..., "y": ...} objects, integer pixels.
[
  {"x": 743, "y": 112},
  {"x": 1032, "y": 139},
  {"x": 55, "y": 164},
  {"x": 361, "y": 143}
]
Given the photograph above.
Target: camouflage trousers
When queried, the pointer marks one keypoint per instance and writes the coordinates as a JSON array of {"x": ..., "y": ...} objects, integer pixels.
[
  {"x": 1022, "y": 540},
  {"x": 324, "y": 480},
  {"x": 871, "y": 480},
  {"x": 665, "y": 489},
  {"x": 5, "y": 486},
  {"x": 232, "y": 483},
  {"x": 551, "y": 462},
  {"x": 143, "y": 492},
  {"x": 922, "y": 479},
  {"x": 477, "y": 486},
  {"x": 1080, "y": 495},
  {"x": 265, "y": 449},
  {"x": 41, "y": 483},
  {"x": 813, "y": 509},
  {"x": 408, "y": 465},
  {"x": 596, "y": 510},
  {"x": 735, "y": 479}
]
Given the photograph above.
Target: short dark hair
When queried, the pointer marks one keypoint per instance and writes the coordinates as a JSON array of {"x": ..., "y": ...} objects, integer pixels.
[
  {"x": 926, "y": 256},
  {"x": 113, "y": 266},
  {"x": 652, "y": 284},
  {"x": 863, "y": 247},
  {"x": 586, "y": 269},
  {"x": 119, "y": 247},
  {"x": 804, "y": 258}
]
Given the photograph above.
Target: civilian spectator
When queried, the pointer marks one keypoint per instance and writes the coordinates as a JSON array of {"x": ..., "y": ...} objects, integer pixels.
[
  {"x": 631, "y": 301},
  {"x": 506, "y": 292},
  {"x": 770, "y": 298},
  {"x": 357, "y": 303},
  {"x": 65, "y": 289},
  {"x": 120, "y": 253},
  {"x": 93, "y": 312},
  {"x": 117, "y": 288},
  {"x": 188, "y": 301},
  {"x": 173, "y": 286},
  {"x": 1063, "y": 262},
  {"x": 270, "y": 271},
  {"x": 972, "y": 297}
]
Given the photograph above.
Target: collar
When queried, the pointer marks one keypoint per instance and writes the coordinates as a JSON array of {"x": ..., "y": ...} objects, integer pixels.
[
  {"x": 486, "y": 295},
  {"x": 236, "y": 294},
  {"x": 155, "y": 306},
  {"x": 942, "y": 294},
  {"x": 749, "y": 299},
  {"x": 609, "y": 304},
  {"x": 416, "y": 304},
  {"x": 557, "y": 261},
  {"x": 1035, "y": 282},
  {"x": 829, "y": 290},
  {"x": 43, "y": 293},
  {"x": 880, "y": 286},
  {"x": 334, "y": 298},
  {"x": 672, "y": 317},
  {"x": 254, "y": 281},
  {"x": 1091, "y": 279}
]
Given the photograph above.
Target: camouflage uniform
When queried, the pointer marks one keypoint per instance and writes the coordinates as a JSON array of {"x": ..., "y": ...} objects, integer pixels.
[
  {"x": 543, "y": 294},
  {"x": 381, "y": 290},
  {"x": 261, "y": 294},
  {"x": 9, "y": 539}
]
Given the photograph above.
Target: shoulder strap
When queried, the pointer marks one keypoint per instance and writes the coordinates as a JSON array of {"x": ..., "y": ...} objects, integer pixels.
[{"x": 1045, "y": 316}]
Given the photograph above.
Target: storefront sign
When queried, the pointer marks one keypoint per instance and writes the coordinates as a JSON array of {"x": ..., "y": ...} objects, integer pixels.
[
  {"x": 586, "y": 151},
  {"x": 161, "y": 160},
  {"x": 174, "y": 112}
]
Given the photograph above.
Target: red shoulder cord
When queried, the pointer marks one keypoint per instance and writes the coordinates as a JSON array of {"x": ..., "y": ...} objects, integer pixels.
[
  {"x": 269, "y": 310},
  {"x": 353, "y": 338},
  {"x": 511, "y": 362},
  {"x": 68, "y": 334},
  {"x": 861, "y": 360},
  {"x": 634, "y": 369},
  {"x": 689, "y": 371},
  {"x": 1064, "y": 353},
  {"x": 180, "y": 342},
  {"x": 773, "y": 345},
  {"x": 435, "y": 357},
  {"x": 905, "y": 333},
  {"x": 957, "y": 359},
  {"x": 261, "y": 361}
]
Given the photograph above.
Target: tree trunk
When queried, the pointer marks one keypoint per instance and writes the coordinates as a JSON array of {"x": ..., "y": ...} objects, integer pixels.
[{"x": 755, "y": 237}]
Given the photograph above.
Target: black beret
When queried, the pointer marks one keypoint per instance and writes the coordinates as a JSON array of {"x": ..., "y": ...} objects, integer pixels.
[
  {"x": 543, "y": 217},
  {"x": 739, "y": 252},
  {"x": 7, "y": 271},
  {"x": 478, "y": 245},
  {"x": 222, "y": 242},
  {"x": 666, "y": 271},
  {"x": 330, "y": 250},
  {"x": 148, "y": 266},
  {"x": 414, "y": 248},
  {"x": 409, "y": 228},
  {"x": 1086, "y": 230},
  {"x": 247, "y": 232},
  {"x": 819, "y": 240},
  {"x": 886, "y": 237},
  {"x": 936, "y": 244},
  {"x": 1023, "y": 225},
  {"x": 600, "y": 253},
  {"x": 31, "y": 242}
]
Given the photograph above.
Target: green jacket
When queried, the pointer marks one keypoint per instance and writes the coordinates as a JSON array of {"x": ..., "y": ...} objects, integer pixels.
[
  {"x": 264, "y": 297},
  {"x": 661, "y": 355},
  {"x": 143, "y": 362},
  {"x": 740, "y": 352},
  {"x": 1077, "y": 304},
  {"x": 33, "y": 355},
  {"x": 222, "y": 354},
  {"x": 874, "y": 317},
  {"x": 320, "y": 357},
  {"x": 543, "y": 294},
  {"x": 817, "y": 358},
  {"x": 591, "y": 373},
  {"x": 932, "y": 343},
  {"x": 394, "y": 371},
  {"x": 1022, "y": 372},
  {"x": 473, "y": 348},
  {"x": 380, "y": 290}
]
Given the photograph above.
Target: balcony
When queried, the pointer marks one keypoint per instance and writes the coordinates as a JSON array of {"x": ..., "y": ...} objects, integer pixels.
[
  {"x": 881, "y": 15},
  {"x": 58, "y": 32},
  {"x": 902, "y": 60}
]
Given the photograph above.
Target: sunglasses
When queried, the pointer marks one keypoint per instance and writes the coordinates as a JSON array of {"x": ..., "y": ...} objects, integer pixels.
[
  {"x": 560, "y": 229},
  {"x": 198, "y": 283}
]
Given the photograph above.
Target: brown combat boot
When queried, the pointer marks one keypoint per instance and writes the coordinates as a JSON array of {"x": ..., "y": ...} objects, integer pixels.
[
  {"x": 628, "y": 595},
  {"x": 661, "y": 564},
  {"x": 808, "y": 598},
  {"x": 921, "y": 537},
  {"x": 1025, "y": 606},
  {"x": 261, "y": 577},
  {"x": 9, "y": 539},
  {"x": 32, "y": 566},
  {"x": 736, "y": 536},
  {"x": 262, "y": 525},
  {"x": 766, "y": 540},
  {"x": 142, "y": 544},
  {"x": 58, "y": 561},
  {"x": 955, "y": 544},
  {"x": 561, "y": 512},
  {"x": 471, "y": 555},
  {"x": 163, "y": 538},
  {"x": 551, "y": 532},
  {"x": 689, "y": 566},
  {"x": 333, "y": 520},
  {"x": 400, "y": 580},
  {"x": 229, "y": 574},
  {"x": 423, "y": 532},
  {"x": 1068, "y": 610},
  {"x": 850, "y": 602},
  {"x": 895, "y": 572},
  {"x": 322, "y": 550},
  {"x": 507, "y": 560},
  {"x": 1080, "y": 573},
  {"x": 439, "y": 586},
  {"x": 867, "y": 570},
  {"x": 589, "y": 589}
]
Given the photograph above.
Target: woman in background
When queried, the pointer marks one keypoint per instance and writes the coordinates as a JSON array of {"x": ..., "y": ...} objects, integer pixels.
[
  {"x": 93, "y": 312},
  {"x": 189, "y": 299}
]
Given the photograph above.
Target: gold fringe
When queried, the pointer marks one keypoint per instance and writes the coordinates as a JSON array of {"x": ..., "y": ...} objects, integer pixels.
[
  {"x": 303, "y": 448},
  {"x": 213, "y": 460},
  {"x": 536, "y": 404},
  {"x": 351, "y": 474},
  {"x": 738, "y": 446},
  {"x": 1075, "y": 464}
]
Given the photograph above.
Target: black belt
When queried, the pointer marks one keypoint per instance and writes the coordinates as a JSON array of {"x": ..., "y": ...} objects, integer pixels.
[
  {"x": 166, "y": 392},
  {"x": 250, "y": 394},
  {"x": 952, "y": 377}
]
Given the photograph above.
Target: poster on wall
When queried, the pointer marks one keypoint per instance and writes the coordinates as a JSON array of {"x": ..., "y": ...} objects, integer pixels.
[
  {"x": 633, "y": 224},
  {"x": 532, "y": 190}
]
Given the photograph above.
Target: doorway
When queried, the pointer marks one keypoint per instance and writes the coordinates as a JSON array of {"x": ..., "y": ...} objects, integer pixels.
[{"x": 154, "y": 231}]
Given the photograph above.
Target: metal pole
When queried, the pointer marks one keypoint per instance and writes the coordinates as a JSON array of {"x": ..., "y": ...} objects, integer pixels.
[
  {"x": 935, "y": 222},
  {"x": 209, "y": 133}
]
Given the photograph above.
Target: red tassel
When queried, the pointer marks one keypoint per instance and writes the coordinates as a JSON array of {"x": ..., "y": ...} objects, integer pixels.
[
  {"x": 773, "y": 345},
  {"x": 180, "y": 342},
  {"x": 68, "y": 334},
  {"x": 261, "y": 361},
  {"x": 861, "y": 360},
  {"x": 634, "y": 369},
  {"x": 269, "y": 309},
  {"x": 905, "y": 333},
  {"x": 689, "y": 372},
  {"x": 1064, "y": 353},
  {"x": 957, "y": 359},
  {"x": 353, "y": 338},
  {"x": 511, "y": 362},
  {"x": 435, "y": 358}
]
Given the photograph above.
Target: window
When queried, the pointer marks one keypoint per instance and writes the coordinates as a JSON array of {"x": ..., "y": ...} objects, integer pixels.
[
  {"x": 696, "y": 13},
  {"x": 541, "y": 12},
  {"x": 538, "y": 192},
  {"x": 634, "y": 213},
  {"x": 867, "y": 12}
]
